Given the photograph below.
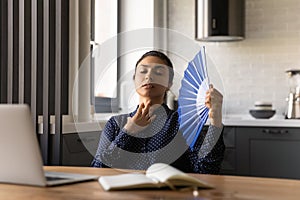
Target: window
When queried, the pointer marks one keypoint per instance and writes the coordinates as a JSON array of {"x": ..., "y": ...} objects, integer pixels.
[{"x": 104, "y": 73}]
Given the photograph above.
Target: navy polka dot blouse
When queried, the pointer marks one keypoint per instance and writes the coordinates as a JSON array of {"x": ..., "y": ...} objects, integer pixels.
[{"x": 159, "y": 142}]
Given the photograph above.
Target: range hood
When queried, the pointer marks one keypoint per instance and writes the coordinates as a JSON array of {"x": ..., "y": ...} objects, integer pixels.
[{"x": 220, "y": 20}]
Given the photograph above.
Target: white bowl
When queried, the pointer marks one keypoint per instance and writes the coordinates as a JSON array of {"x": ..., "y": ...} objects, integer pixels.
[{"x": 262, "y": 105}]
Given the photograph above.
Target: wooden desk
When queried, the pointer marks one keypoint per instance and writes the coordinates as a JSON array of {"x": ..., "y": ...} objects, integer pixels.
[{"x": 226, "y": 187}]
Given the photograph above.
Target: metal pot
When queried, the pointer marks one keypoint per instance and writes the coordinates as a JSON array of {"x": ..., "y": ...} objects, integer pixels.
[{"x": 293, "y": 100}]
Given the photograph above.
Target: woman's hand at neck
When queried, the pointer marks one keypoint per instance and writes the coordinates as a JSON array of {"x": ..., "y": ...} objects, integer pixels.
[{"x": 142, "y": 118}]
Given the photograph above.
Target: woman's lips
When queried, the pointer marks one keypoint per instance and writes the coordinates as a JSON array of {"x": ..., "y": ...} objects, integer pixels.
[{"x": 147, "y": 86}]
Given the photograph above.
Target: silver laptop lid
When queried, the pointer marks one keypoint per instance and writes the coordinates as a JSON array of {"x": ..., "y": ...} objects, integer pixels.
[{"x": 20, "y": 156}]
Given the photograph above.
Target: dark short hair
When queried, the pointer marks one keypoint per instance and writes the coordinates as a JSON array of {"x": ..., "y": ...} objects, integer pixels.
[{"x": 163, "y": 57}]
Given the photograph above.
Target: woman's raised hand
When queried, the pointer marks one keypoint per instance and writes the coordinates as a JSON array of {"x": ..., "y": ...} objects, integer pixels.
[{"x": 213, "y": 101}]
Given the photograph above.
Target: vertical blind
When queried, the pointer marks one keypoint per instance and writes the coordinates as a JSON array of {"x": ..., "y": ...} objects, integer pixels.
[{"x": 34, "y": 65}]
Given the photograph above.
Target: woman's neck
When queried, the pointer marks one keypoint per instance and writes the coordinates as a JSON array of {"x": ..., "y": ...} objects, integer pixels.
[{"x": 153, "y": 101}]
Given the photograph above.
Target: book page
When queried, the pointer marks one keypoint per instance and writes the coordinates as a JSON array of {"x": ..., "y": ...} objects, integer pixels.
[
  {"x": 163, "y": 172},
  {"x": 126, "y": 181},
  {"x": 167, "y": 174}
]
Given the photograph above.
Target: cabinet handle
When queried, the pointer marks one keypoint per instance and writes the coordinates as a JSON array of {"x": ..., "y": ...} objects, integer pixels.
[{"x": 270, "y": 131}]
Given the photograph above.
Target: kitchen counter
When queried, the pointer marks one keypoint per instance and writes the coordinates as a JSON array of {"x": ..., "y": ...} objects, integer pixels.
[
  {"x": 228, "y": 120},
  {"x": 247, "y": 120},
  {"x": 83, "y": 127}
]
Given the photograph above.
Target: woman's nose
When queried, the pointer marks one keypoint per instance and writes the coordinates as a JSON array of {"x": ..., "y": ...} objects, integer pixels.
[{"x": 148, "y": 77}]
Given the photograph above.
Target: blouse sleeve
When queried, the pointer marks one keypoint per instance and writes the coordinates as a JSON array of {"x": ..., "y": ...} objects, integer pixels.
[{"x": 211, "y": 151}]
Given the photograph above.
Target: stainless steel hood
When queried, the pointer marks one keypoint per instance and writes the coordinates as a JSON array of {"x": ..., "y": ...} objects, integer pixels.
[{"x": 220, "y": 20}]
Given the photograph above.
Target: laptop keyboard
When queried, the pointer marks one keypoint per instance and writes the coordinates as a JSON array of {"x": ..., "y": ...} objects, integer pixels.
[{"x": 49, "y": 178}]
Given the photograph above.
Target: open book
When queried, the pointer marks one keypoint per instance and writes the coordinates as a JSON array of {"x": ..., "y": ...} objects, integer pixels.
[{"x": 157, "y": 176}]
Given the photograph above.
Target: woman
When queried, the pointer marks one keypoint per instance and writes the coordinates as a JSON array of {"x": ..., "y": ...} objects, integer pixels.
[{"x": 151, "y": 134}]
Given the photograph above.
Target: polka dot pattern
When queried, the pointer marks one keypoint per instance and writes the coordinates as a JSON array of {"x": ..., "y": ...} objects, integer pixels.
[{"x": 159, "y": 142}]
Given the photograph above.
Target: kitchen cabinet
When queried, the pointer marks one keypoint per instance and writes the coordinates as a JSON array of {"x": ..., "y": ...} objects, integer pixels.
[
  {"x": 268, "y": 152},
  {"x": 229, "y": 163},
  {"x": 262, "y": 151},
  {"x": 79, "y": 148}
]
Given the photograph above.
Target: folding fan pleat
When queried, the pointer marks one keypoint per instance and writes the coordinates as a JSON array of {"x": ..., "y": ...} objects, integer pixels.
[
  {"x": 192, "y": 138},
  {"x": 198, "y": 71},
  {"x": 185, "y": 83},
  {"x": 187, "y": 106},
  {"x": 202, "y": 62},
  {"x": 188, "y": 115},
  {"x": 196, "y": 82}
]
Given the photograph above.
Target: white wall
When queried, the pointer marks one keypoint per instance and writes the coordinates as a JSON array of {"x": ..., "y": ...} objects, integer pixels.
[{"x": 253, "y": 69}]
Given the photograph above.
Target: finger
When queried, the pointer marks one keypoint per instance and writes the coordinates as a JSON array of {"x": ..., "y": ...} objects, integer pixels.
[
  {"x": 210, "y": 113},
  {"x": 208, "y": 105},
  {"x": 152, "y": 118},
  {"x": 140, "y": 109},
  {"x": 207, "y": 101},
  {"x": 208, "y": 93},
  {"x": 210, "y": 89},
  {"x": 208, "y": 97},
  {"x": 146, "y": 110},
  {"x": 147, "y": 118}
]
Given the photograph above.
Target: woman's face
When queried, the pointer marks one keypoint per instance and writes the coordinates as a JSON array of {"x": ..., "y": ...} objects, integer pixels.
[{"x": 152, "y": 77}]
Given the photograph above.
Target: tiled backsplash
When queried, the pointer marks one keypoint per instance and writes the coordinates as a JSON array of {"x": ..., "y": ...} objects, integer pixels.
[{"x": 253, "y": 69}]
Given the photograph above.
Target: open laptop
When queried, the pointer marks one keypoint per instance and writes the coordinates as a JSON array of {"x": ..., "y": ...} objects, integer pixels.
[{"x": 20, "y": 157}]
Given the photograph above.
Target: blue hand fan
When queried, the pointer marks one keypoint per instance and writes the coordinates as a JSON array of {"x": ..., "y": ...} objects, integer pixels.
[{"x": 192, "y": 111}]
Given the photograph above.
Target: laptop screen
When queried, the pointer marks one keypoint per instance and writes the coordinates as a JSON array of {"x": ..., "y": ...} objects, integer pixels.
[{"x": 20, "y": 156}]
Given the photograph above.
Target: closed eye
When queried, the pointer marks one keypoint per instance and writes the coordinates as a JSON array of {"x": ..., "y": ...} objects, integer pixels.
[
  {"x": 158, "y": 73},
  {"x": 159, "y": 70},
  {"x": 143, "y": 71}
]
